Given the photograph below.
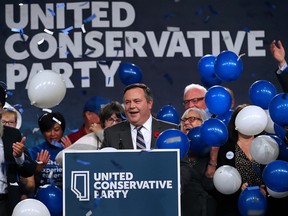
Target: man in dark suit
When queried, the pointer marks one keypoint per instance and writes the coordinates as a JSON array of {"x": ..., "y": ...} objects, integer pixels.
[
  {"x": 15, "y": 162},
  {"x": 138, "y": 101}
]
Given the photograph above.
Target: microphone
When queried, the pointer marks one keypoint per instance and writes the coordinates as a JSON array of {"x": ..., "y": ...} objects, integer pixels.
[{"x": 120, "y": 144}]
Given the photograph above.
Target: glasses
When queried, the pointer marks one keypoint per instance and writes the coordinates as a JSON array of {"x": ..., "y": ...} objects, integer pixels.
[
  {"x": 8, "y": 122},
  {"x": 194, "y": 100},
  {"x": 191, "y": 119},
  {"x": 112, "y": 120}
]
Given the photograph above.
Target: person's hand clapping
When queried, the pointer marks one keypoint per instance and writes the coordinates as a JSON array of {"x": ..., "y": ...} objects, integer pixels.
[{"x": 18, "y": 148}]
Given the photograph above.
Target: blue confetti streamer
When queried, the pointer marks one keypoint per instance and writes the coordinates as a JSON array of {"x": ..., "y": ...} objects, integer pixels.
[
  {"x": 60, "y": 5},
  {"x": 89, "y": 19},
  {"x": 206, "y": 19},
  {"x": 212, "y": 10},
  {"x": 9, "y": 93},
  {"x": 15, "y": 30},
  {"x": 117, "y": 165},
  {"x": 83, "y": 162},
  {"x": 86, "y": 2},
  {"x": 97, "y": 202},
  {"x": 73, "y": 130},
  {"x": 57, "y": 144},
  {"x": 67, "y": 52},
  {"x": 52, "y": 12},
  {"x": 66, "y": 31},
  {"x": 169, "y": 78},
  {"x": 246, "y": 29},
  {"x": 84, "y": 77}
]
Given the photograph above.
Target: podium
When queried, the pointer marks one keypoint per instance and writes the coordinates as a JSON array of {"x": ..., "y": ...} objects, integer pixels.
[{"x": 121, "y": 183}]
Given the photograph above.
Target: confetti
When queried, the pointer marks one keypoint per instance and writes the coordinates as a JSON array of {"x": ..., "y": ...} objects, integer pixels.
[
  {"x": 83, "y": 28},
  {"x": 48, "y": 31},
  {"x": 60, "y": 5},
  {"x": 47, "y": 110},
  {"x": 83, "y": 162},
  {"x": 169, "y": 78},
  {"x": 35, "y": 130},
  {"x": 15, "y": 30},
  {"x": 89, "y": 213},
  {"x": 41, "y": 41},
  {"x": 57, "y": 120},
  {"x": 51, "y": 11},
  {"x": 66, "y": 31},
  {"x": 173, "y": 29},
  {"x": 89, "y": 19},
  {"x": 97, "y": 202}
]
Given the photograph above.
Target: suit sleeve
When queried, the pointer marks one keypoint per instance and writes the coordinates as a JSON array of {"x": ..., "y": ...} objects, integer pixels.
[
  {"x": 283, "y": 79},
  {"x": 28, "y": 167}
]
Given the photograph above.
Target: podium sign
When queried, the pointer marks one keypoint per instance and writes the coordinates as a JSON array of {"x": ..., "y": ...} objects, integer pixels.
[{"x": 121, "y": 183}]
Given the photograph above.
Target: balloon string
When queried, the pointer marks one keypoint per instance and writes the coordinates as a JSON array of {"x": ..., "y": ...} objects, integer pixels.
[{"x": 241, "y": 56}]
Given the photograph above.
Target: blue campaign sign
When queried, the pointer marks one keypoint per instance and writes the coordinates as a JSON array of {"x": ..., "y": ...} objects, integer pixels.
[{"x": 122, "y": 183}]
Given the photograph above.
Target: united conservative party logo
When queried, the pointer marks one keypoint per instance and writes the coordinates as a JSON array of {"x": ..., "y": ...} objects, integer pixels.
[{"x": 111, "y": 185}]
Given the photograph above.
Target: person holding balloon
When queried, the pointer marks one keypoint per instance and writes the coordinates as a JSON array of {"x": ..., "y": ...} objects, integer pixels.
[
  {"x": 52, "y": 127},
  {"x": 194, "y": 96},
  {"x": 196, "y": 199},
  {"x": 237, "y": 153}
]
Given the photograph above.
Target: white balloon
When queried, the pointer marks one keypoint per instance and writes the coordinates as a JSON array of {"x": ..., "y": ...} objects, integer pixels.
[
  {"x": 30, "y": 207},
  {"x": 227, "y": 179},
  {"x": 277, "y": 194},
  {"x": 264, "y": 149},
  {"x": 46, "y": 89},
  {"x": 251, "y": 120},
  {"x": 270, "y": 124}
]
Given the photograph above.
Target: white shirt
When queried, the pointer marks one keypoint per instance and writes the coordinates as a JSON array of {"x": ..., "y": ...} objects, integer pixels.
[
  {"x": 3, "y": 177},
  {"x": 146, "y": 131},
  {"x": 281, "y": 69}
]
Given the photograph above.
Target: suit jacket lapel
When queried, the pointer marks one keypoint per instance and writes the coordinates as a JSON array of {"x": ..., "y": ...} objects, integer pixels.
[{"x": 125, "y": 136}]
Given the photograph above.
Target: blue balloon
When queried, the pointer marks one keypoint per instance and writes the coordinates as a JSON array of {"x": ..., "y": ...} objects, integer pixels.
[
  {"x": 279, "y": 131},
  {"x": 52, "y": 197},
  {"x": 252, "y": 200},
  {"x": 225, "y": 118},
  {"x": 129, "y": 73},
  {"x": 206, "y": 70},
  {"x": 214, "y": 132},
  {"x": 218, "y": 100},
  {"x": 173, "y": 139},
  {"x": 168, "y": 113},
  {"x": 228, "y": 66},
  {"x": 261, "y": 93},
  {"x": 283, "y": 148},
  {"x": 197, "y": 146},
  {"x": 275, "y": 175},
  {"x": 278, "y": 109}
]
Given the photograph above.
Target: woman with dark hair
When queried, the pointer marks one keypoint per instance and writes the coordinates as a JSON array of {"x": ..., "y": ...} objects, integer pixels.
[
  {"x": 52, "y": 127},
  {"x": 236, "y": 153},
  {"x": 110, "y": 114}
]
